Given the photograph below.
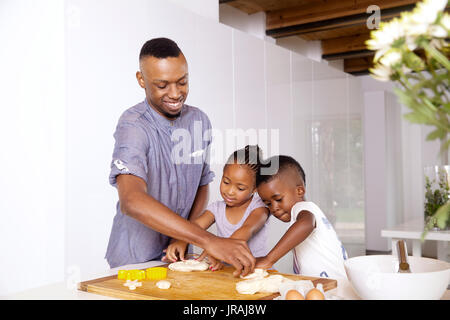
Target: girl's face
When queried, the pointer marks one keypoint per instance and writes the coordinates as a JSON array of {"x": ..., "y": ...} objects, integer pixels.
[{"x": 237, "y": 184}]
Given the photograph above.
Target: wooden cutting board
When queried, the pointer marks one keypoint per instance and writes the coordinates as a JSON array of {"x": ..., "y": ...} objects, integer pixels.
[{"x": 196, "y": 285}]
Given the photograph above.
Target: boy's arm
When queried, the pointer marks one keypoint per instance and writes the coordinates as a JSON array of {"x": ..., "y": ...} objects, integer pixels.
[
  {"x": 295, "y": 235},
  {"x": 254, "y": 222}
]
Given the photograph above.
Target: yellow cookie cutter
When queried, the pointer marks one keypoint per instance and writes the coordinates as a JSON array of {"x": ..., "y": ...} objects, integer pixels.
[
  {"x": 156, "y": 273},
  {"x": 134, "y": 274}
]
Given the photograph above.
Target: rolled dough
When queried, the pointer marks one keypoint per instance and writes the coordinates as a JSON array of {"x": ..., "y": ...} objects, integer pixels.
[
  {"x": 189, "y": 265},
  {"x": 270, "y": 284},
  {"x": 258, "y": 273}
]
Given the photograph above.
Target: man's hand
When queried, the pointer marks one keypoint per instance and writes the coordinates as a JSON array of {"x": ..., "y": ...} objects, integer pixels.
[{"x": 234, "y": 252}]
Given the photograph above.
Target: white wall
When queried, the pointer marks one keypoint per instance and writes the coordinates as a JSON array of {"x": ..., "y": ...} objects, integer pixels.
[
  {"x": 205, "y": 8},
  {"x": 70, "y": 101},
  {"x": 33, "y": 141},
  {"x": 253, "y": 24},
  {"x": 309, "y": 49}
]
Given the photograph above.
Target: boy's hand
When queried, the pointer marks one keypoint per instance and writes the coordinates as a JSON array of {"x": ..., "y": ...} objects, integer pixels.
[
  {"x": 176, "y": 249},
  {"x": 263, "y": 263}
]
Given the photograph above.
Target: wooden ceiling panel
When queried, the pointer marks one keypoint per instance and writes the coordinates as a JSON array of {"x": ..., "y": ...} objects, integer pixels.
[
  {"x": 340, "y": 25},
  {"x": 358, "y": 66},
  {"x": 322, "y": 10},
  {"x": 345, "y": 44},
  {"x": 335, "y": 32},
  {"x": 254, "y": 6}
]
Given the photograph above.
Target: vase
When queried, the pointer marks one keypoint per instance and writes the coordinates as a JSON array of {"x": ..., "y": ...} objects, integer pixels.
[{"x": 436, "y": 180}]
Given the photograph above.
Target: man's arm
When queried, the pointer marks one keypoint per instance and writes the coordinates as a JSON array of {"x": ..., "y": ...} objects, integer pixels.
[
  {"x": 199, "y": 205},
  {"x": 136, "y": 203}
]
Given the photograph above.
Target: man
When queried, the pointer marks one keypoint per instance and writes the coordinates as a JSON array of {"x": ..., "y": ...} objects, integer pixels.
[{"x": 156, "y": 193}]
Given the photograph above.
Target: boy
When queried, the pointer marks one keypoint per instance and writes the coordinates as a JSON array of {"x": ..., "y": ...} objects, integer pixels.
[{"x": 316, "y": 247}]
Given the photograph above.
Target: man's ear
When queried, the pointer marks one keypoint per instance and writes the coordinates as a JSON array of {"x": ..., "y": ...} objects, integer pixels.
[{"x": 140, "y": 79}]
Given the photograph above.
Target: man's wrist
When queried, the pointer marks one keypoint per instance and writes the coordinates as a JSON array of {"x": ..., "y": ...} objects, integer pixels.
[{"x": 207, "y": 239}]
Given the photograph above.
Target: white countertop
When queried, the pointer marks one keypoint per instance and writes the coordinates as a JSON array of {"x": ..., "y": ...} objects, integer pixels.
[
  {"x": 60, "y": 290},
  {"x": 413, "y": 230}
]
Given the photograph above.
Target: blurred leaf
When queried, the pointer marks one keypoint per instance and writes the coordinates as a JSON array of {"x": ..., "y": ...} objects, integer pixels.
[
  {"x": 437, "y": 55},
  {"x": 413, "y": 61},
  {"x": 416, "y": 117},
  {"x": 442, "y": 215},
  {"x": 436, "y": 134},
  {"x": 439, "y": 218}
]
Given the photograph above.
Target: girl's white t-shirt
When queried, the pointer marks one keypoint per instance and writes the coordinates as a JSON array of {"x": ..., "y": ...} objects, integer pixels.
[{"x": 321, "y": 254}]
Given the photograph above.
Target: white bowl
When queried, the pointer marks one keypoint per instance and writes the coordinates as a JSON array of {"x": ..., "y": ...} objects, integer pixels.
[{"x": 375, "y": 278}]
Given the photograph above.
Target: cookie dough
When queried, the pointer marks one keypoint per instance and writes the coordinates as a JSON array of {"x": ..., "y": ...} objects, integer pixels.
[
  {"x": 258, "y": 273},
  {"x": 163, "y": 284},
  {"x": 189, "y": 265},
  {"x": 132, "y": 284},
  {"x": 270, "y": 284}
]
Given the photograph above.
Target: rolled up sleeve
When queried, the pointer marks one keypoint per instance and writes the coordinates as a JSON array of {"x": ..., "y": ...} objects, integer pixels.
[{"x": 130, "y": 152}]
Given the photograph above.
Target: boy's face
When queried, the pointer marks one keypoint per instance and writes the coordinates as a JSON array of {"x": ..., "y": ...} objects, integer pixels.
[{"x": 280, "y": 195}]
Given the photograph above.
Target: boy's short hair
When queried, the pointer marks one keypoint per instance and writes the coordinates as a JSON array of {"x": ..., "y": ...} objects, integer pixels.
[
  {"x": 284, "y": 163},
  {"x": 160, "y": 48}
]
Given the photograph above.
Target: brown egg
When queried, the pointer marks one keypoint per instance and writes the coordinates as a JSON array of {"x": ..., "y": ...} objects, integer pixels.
[
  {"x": 294, "y": 295},
  {"x": 315, "y": 294}
]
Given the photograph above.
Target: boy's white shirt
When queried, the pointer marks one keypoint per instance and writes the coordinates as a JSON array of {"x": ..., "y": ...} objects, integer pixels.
[{"x": 321, "y": 254}]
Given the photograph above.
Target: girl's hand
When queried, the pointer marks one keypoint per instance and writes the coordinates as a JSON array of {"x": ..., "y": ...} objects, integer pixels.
[
  {"x": 214, "y": 263},
  {"x": 263, "y": 263},
  {"x": 176, "y": 249}
]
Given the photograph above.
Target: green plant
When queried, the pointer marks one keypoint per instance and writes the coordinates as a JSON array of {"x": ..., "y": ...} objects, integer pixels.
[
  {"x": 435, "y": 198},
  {"x": 413, "y": 51}
]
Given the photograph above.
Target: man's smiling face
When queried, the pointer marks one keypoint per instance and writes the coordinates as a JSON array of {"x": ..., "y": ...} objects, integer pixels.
[{"x": 165, "y": 82}]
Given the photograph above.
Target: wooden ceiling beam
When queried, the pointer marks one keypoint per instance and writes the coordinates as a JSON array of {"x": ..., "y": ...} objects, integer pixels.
[
  {"x": 354, "y": 20},
  {"x": 345, "y": 44},
  {"x": 358, "y": 66},
  {"x": 334, "y": 33},
  {"x": 347, "y": 55},
  {"x": 322, "y": 10},
  {"x": 254, "y": 6}
]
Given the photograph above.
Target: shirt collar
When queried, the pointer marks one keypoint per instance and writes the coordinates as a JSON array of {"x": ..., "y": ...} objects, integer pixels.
[{"x": 163, "y": 120}]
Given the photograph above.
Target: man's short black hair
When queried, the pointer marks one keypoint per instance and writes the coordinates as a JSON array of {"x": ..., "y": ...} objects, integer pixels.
[
  {"x": 284, "y": 163},
  {"x": 160, "y": 48}
]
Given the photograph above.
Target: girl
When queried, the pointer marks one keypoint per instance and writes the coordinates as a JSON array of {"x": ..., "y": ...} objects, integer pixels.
[{"x": 240, "y": 215}]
